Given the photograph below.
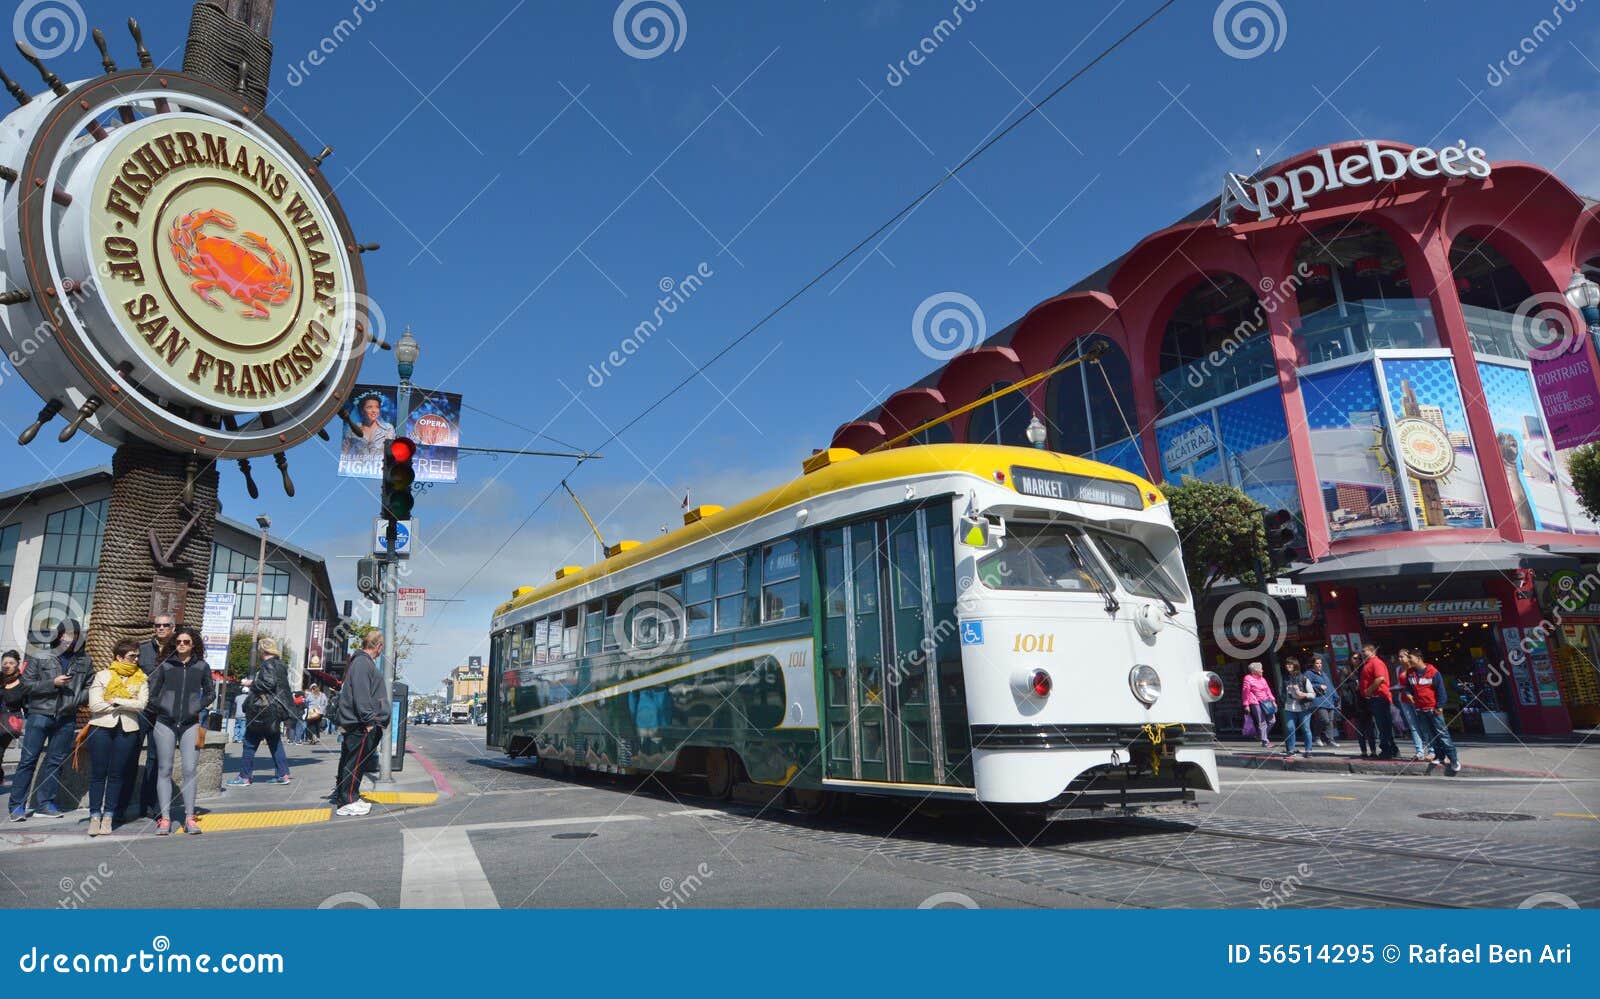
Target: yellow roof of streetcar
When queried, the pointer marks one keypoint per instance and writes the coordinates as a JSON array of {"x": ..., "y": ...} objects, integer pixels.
[{"x": 830, "y": 471}]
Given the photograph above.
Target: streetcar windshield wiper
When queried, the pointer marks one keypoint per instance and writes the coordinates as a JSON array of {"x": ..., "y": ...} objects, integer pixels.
[{"x": 1093, "y": 568}]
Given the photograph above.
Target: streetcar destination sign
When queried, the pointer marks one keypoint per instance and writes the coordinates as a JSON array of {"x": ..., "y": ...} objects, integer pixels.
[{"x": 1080, "y": 488}]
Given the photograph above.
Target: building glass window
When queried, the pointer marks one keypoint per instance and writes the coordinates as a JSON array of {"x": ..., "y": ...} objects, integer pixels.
[
  {"x": 780, "y": 581},
  {"x": 8, "y": 561},
  {"x": 71, "y": 555},
  {"x": 732, "y": 573},
  {"x": 235, "y": 572},
  {"x": 1083, "y": 400},
  {"x": 1000, "y": 421}
]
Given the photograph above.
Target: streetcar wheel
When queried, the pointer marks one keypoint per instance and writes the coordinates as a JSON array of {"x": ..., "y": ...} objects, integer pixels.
[
  {"x": 720, "y": 774},
  {"x": 811, "y": 802}
]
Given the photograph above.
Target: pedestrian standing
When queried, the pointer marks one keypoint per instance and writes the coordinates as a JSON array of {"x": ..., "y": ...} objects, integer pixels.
[
  {"x": 180, "y": 692},
  {"x": 1325, "y": 708},
  {"x": 57, "y": 685},
  {"x": 239, "y": 702},
  {"x": 1405, "y": 703},
  {"x": 1298, "y": 697},
  {"x": 362, "y": 710},
  {"x": 267, "y": 708},
  {"x": 13, "y": 699},
  {"x": 1373, "y": 682},
  {"x": 117, "y": 699},
  {"x": 1259, "y": 703},
  {"x": 1427, "y": 687},
  {"x": 1355, "y": 708},
  {"x": 152, "y": 653}
]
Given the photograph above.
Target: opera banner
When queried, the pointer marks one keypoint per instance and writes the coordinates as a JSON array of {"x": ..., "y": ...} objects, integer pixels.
[
  {"x": 1349, "y": 446},
  {"x": 368, "y": 426},
  {"x": 1444, "y": 485},
  {"x": 435, "y": 425},
  {"x": 1535, "y": 468}
]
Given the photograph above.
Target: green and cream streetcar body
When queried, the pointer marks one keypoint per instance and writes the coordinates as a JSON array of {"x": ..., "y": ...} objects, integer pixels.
[{"x": 970, "y": 621}]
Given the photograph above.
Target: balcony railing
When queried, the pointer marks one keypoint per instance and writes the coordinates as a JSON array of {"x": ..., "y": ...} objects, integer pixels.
[{"x": 1506, "y": 334}]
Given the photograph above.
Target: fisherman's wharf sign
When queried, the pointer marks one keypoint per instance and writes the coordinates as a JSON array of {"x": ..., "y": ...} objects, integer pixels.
[{"x": 183, "y": 272}]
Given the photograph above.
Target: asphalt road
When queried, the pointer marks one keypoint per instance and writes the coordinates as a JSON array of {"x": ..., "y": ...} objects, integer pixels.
[{"x": 512, "y": 837}]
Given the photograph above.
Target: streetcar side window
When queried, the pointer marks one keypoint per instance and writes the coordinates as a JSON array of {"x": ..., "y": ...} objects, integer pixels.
[
  {"x": 732, "y": 580},
  {"x": 612, "y": 625},
  {"x": 525, "y": 640},
  {"x": 906, "y": 561},
  {"x": 780, "y": 581},
  {"x": 569, "y": 633},
  {"x": 668, "y": 610},
  {"x": 541, "y": 640},
  {"x": 697, "y": 594},
  {"x": 594, "y": 625}
]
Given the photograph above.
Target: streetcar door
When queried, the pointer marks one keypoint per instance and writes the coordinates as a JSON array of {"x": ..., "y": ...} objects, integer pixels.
[
  {"x": 882, "y": 717},
  {"x": 907, "y": 602}
]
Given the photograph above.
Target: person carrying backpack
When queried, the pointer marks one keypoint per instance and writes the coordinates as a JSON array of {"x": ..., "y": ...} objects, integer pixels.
[{"x": 269, "y": 705}]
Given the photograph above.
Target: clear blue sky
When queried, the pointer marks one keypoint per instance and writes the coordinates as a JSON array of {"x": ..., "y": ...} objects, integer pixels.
[{"x": 532, "y": 184}]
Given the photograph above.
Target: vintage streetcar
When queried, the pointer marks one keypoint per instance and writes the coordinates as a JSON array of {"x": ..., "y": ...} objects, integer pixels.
[{"x": 1002, "y": 624}]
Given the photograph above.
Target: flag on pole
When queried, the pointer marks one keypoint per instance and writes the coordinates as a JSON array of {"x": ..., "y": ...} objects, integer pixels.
[{"x": 686, "y": 501}]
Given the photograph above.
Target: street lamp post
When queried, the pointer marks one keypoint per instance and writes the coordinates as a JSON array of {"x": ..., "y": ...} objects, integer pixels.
[
  {"x": 1584, "y": 295},
  {"x": 1037, "y": 433},
  {"x": 406, "y": 351},
  {"x": 264, "y": 522}
]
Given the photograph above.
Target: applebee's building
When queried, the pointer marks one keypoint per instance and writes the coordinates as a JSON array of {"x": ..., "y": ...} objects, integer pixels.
[{"x": 1387, "y": 341}]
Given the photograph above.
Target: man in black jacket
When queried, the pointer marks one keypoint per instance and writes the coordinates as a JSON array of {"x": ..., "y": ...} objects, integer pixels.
[
  {"x": 57, "y": 685},
  {"x": 361, "y": 714}
]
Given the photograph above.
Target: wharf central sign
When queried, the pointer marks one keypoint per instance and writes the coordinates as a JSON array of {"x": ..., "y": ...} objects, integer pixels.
[{"x": 1372, "y": 164}]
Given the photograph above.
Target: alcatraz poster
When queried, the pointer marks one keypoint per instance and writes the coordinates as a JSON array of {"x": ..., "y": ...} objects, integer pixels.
[{"x": 434, "y": 423}]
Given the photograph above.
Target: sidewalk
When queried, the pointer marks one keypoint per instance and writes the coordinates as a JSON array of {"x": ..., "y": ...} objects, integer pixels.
[
  {"x": 1576, "y": 757},
  {"x": 260, "y": 805}
]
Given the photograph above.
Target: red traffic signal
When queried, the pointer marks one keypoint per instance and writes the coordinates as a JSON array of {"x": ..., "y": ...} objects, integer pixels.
[{"x": 402, "y": 449}]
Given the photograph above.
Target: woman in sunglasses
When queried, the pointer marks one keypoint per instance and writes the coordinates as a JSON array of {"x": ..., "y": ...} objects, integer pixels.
[{"x": 179, "y": 692}]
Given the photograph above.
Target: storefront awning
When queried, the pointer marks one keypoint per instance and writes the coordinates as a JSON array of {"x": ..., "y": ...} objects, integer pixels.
[{"x": 1441, "y": 559}]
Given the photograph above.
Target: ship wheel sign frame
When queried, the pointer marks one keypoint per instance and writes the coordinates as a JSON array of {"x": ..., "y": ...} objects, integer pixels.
[{"x": 177, "y": 270}]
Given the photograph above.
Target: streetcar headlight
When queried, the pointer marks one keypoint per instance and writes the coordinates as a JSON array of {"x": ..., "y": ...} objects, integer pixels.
[
  {"x": 1145, "y": 683},
  {"x": 1210, "y": 686}
]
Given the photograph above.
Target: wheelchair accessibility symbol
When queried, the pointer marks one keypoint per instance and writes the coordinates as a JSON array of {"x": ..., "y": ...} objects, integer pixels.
[{"x": 972, "y": 633}]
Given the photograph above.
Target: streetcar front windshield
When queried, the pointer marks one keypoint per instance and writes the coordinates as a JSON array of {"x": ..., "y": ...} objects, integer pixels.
[
  {"x": 1139, "y": 571},
  {"x": 1042, "y": 557}
]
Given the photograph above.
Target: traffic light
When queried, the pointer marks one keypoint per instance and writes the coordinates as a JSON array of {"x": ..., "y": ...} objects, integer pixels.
[
  {"x": 398, "y": 478},
  {"x": 1283, "y": 539}
]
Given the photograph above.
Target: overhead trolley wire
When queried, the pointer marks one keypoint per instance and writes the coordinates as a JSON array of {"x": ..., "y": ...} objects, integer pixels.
[{"x": 1034, "y": 107}]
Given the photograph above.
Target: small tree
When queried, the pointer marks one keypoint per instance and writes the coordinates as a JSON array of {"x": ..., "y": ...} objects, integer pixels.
[
  {"x": 1585, "y": 470},
  {"x": 239, "y": 654},
  {"x": 1221, "y": 533}
]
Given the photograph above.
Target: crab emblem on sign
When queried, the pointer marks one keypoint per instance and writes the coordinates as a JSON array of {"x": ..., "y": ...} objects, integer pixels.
[{"x": 255, "y": 274}]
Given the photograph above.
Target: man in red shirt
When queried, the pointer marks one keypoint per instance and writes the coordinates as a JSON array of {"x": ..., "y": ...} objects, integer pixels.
[
  {"x": 1426, "y": 684},
  {"x": 1373, "y": 684}
]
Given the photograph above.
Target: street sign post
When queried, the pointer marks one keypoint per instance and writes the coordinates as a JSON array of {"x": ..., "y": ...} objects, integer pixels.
[{"x": 413, "y": 601}]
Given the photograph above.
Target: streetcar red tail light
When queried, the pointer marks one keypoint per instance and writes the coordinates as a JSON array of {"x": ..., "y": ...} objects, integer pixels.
[
  {"x": 1041, "y": 683},
  {"x": 1213, "y": 687}
]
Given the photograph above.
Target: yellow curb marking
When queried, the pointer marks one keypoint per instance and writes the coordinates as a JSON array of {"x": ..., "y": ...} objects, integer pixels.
[
  {"x": 1576, "y": 815},
  {"x": 219, "y": 821},
  {"x": 401, "y": 797},
  {"x": 1338, "y": 797}
]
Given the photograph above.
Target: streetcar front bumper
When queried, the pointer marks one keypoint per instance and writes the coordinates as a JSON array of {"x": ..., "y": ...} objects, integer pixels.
[{"x": 1093, "y": 767}]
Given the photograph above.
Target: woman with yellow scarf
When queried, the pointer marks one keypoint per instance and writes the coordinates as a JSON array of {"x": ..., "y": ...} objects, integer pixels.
[{"x": 116, "y": 700}]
